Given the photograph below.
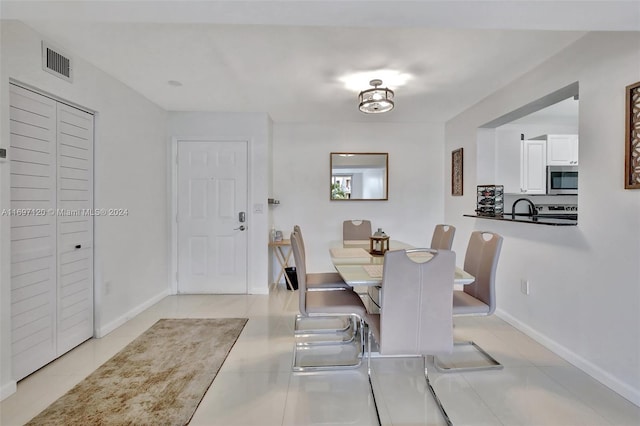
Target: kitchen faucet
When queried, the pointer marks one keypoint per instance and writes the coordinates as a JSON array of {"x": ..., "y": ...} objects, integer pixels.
[{"x": 533, "y": 212}]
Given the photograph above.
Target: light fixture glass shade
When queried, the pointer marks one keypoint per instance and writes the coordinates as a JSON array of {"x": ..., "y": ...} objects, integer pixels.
[{"x": 376, "y": 100}]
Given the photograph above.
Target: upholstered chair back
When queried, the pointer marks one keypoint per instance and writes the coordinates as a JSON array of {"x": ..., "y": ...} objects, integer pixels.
[
  {"x": 298, "y": 231},
  {"x": 301, "y": 271},
  {"x": 356, "y": 230},
  {"x": 416, "y": 316},
  {"x": 481, "y": 261},
  {"x": 443, "y": 237}
]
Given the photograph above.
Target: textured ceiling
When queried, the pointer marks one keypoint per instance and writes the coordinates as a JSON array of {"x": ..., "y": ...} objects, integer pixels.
[{"x": 291, "y": 59}]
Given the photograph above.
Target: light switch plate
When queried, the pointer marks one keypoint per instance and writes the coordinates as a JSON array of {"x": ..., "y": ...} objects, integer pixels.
[{"x": 3, "y": 153}]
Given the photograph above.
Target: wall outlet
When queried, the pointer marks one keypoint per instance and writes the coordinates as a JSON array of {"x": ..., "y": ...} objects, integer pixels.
[
  {"x": 524, "y": 286},
  {"x": 107, "y": 287}
]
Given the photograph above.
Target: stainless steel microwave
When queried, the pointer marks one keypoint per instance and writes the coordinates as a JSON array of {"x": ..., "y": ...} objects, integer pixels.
[{"x": 562, "y": 180}]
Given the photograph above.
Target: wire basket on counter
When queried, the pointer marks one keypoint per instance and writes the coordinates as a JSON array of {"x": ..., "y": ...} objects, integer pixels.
[{"x": 490, "y": 200}]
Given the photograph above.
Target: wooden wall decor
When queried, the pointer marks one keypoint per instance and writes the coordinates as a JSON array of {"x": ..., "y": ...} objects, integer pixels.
[
  {"x": 632, "y": 138},
  {"x": 457, "y": 177}
]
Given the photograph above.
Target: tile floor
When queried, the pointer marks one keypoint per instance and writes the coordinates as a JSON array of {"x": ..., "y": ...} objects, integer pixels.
[{"x": 255, "y": 386}]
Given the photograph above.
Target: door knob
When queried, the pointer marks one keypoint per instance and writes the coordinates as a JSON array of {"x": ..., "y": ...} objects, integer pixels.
[{"x": 241, "y": 228}]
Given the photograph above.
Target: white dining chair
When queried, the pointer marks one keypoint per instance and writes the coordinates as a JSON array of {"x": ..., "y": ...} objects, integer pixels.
[
  {"x": 356, "y": 230},
  {"x": 442, "y": 238},
  {"x": 326, "y": 304},
  {"x": 479, "y": 297},
  {"x": 318, "y": 281},
  {"x": 416, "y": 313}
]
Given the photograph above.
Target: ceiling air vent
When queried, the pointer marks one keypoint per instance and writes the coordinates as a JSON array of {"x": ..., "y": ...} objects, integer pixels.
[{"x": 57, "y": 63}]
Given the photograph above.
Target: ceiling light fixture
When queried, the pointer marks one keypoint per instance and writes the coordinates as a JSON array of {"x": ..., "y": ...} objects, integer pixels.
[{"x": 376, "y": 100}]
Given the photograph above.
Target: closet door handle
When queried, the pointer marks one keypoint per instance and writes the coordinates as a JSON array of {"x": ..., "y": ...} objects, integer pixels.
[{"x": 78, "y": 246}]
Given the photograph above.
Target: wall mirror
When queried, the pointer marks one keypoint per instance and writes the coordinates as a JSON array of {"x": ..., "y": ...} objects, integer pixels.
[{"x": 359, "y": 176}]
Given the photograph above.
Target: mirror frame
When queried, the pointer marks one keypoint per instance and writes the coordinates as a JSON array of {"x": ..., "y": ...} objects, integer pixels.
[{"x": 386, "y": 176}]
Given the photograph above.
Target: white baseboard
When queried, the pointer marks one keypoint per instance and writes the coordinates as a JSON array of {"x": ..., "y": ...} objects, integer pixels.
[
  {"x": 108, "y": 328},
  {"x": 615, "y": 384},
  {"x": 8, "y": 389}
]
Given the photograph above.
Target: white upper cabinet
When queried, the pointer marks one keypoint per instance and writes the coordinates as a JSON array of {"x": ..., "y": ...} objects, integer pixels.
[
  {"x": 533, "y": 177},
  {"x": 562, "y": 150},
  {"x": 521, "y": 166},
  {"x": 508, "y": 163}
]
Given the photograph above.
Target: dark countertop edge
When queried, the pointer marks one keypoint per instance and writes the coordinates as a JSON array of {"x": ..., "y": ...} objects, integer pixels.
[{"x": 540, "y": 221}]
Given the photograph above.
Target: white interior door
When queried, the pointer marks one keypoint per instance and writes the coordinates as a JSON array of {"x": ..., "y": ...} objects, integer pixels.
[
  {"x": 75, "y": 227},
  {"x": 212, "y": 236},
  {"x": 51, "y": 152},
  {"x": 32, "y": 151}
]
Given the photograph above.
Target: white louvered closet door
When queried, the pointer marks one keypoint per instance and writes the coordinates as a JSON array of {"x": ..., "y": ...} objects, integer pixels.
[
  {"x": 32, "y": 150},
  {"x": 75, "y": 231},
  {"x": 51, "y": 152}
]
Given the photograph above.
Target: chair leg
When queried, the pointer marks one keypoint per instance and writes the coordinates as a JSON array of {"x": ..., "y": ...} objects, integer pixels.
[
  {"x": 355, "y": 319},
  {"x": 373, "y": 394},
  {"x": 347, "y": 326},
  {"x": 426, "y": 376},
  {"x": 309, "y": 368},
  {"x": 493, "y": 363},
  {"x": 343, "y": 335},
  {"x": 328, "y": 342},
  {"x": 363, "y": 329},
  {"x": 328, "y": 338},
  {"x": 433, "y": 393}
]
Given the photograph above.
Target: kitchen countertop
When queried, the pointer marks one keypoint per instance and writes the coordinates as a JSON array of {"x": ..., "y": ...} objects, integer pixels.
[{"x": 538, "y": 220}]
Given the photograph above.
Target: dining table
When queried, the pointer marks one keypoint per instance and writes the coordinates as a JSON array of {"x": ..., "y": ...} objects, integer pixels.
[{"x": 358, "y": 267}]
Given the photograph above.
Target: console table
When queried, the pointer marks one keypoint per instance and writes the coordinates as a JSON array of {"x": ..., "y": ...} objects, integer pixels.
[{"x": 282, "y": 252}]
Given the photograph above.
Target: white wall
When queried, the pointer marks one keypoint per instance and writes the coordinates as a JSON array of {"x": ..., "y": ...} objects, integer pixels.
[
  {"x": 585, "y": 280},
  {"x": 254, "y": 128},
  {"x": 130, "y": 172},
  {"x": 302, "y": 182}
]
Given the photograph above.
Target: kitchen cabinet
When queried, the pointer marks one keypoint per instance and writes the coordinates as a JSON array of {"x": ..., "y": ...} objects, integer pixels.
[
  {"x": 508, "y": 160},
  {"x": 562, "y": 150},
  {"x": 521, "y": 166},
  {"x": 533, "y": 176}
]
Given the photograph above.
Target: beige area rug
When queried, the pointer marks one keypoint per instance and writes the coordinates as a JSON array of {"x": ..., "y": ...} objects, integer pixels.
[{"x": 158, "y": 379}]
